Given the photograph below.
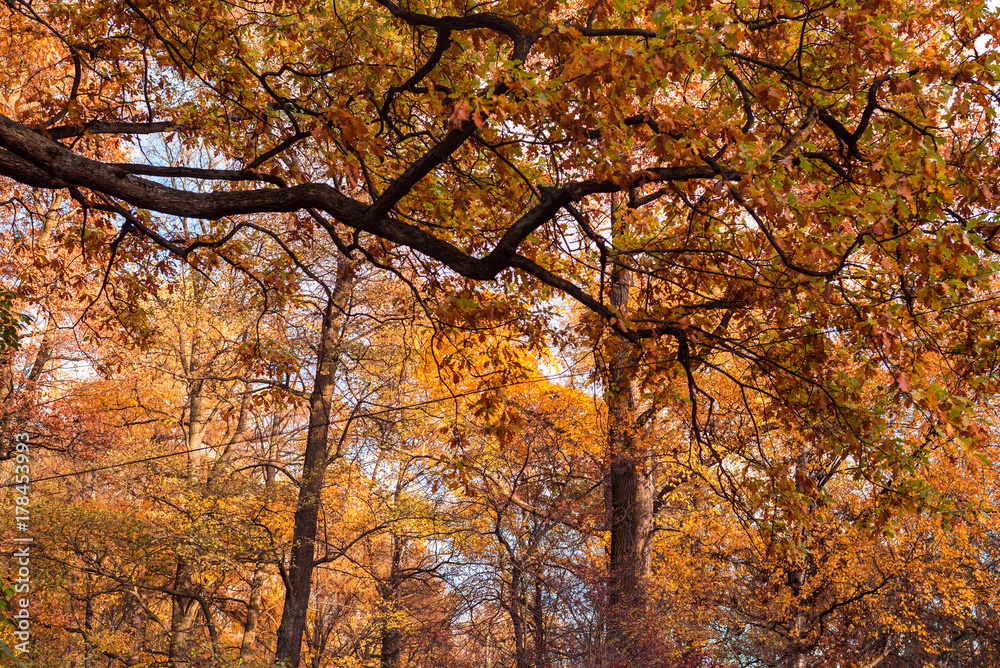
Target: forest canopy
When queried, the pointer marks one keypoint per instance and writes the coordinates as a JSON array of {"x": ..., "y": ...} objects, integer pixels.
[{"x": 355, "y": 333}]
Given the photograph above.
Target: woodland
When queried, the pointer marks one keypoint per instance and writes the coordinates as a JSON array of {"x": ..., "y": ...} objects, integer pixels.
[{"x": 510, "y": 334}]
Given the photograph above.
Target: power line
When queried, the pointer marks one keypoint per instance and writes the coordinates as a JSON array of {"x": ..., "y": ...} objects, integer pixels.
[{"x": 391, "y": 409}]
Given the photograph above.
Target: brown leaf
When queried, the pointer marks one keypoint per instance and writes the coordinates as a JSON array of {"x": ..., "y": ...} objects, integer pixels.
[
  {"x": 460, "y": 115},
  {"x": 903, "y": 381}
]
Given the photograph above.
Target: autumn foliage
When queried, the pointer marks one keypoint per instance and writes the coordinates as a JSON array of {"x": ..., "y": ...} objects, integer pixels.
[{"x": 363, "y": 333}]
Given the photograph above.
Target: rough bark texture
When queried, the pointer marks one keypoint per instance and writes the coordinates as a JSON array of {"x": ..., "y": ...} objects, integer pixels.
[
  {"x": 300, "y": 568},
  {"x": 183, "y": 612},
  {"x": 35, "y": 160},
  {"x": 628, "y": 491}
]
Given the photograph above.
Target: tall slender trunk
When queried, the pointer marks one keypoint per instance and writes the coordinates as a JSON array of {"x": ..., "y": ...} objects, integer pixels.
[
  {"x": 300, "y": 568},
  {"x": 628, "y": 489},
  {"x": 88, "y": 625},
  {"x": 629, "y": 498},
  {"x": 183, "y": 612},
  {"x": 797, "y": 574},
  {"x": 797, "y": 658},
  {"x": 521, "y": 657},
  {"x": 12, "y": 415},
  {"x": 538, "y": 617},
  {"x": 253, "y": 614},
  {"x": 257, "y": 579},
  {"x": 391, "y": 592},
  {"x": 44, "y": 354},
  {"x": 196, "y": 432}
]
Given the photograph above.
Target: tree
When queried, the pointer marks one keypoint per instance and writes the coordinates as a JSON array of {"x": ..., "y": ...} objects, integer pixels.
[
  {"x": 804, "y": 185},
  {"x": 316, "y": 459}
]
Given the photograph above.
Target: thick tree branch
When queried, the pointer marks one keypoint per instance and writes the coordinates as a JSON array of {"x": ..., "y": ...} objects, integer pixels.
[
  {"x": 196, "y": 173},
  {"x": 107, "y": 128},
  {"x": 29, "y": 152}
]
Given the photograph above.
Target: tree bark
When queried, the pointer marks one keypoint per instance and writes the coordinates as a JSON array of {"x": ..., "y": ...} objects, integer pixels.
[
  {"x": 300, "y": 568},
  {"x": 521, "y": 656},
  {"x": 628, "y": 488},
  {"x": 257, "y": 580},
  {"x": 183, "y": 612},
  {"x": 88, "y": 625},
  {"x": 630, "y": 495},
  {"x": 391, "y": 592},
  {"x": 538, "y": 617},
  {"x": 253, "y": 614}
]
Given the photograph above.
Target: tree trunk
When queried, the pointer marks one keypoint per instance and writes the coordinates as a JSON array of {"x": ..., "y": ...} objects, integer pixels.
[
  {"x": 44, "y": 354},
  {"x": 541, "y": 651},
  {"x": 257, "y": 580},
  {"x": 521, "y": 657},
  {"x": 183, "y": 612},
  {"x": 300, "y": 569},
  {"x": 392, "y": 637},
  {"x": 253, "y": 614},
  {"x": 630, "y": 500},
  {"x": 628, "y": 489},
  {"x": 392, "y": 644},
  {"x": 196, "y": 432},
  {"x": 88, "y": 625}
]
